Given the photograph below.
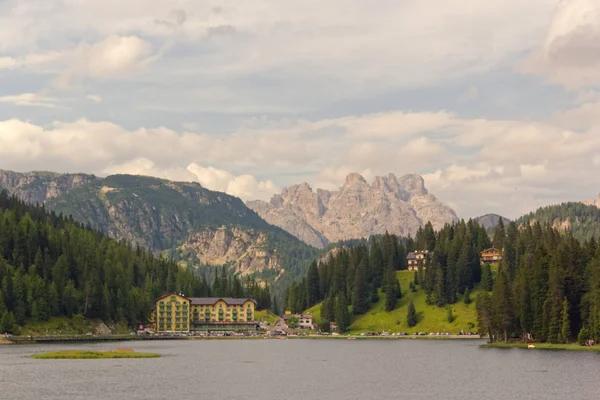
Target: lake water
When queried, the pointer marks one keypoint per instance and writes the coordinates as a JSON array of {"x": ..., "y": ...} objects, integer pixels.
[{"x": 303, "y": 369}]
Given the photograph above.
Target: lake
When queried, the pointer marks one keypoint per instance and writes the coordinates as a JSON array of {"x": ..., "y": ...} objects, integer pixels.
[{"x": 303, "y": 369}]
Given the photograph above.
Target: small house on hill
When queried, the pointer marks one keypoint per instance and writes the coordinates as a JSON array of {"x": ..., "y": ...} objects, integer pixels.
[
  {"x": 304, "y": 321},
  {"x": 414, "y": 258},
  {"x": 490, "y": 256}
]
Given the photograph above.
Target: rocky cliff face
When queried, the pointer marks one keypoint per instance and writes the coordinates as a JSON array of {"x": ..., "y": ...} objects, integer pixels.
[
  {"x": 358, "y": 209},
  {"x": 39, "y": 187},
  {"x": 244, "y": 250},
  {"x": 183, "y": 220},
  {"x": 593, "y": 202}
]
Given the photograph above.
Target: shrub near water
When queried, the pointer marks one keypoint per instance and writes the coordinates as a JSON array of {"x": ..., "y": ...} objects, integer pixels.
[{"x": 86, "y": 354}]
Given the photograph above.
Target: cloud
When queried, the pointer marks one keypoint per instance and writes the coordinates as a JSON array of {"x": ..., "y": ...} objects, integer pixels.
[
  {"x": 570, "y": 54},
  {"x": 479, "y": 165},
  {"x": 94, "y": 98},
  {"x": 244, "y": 186},
  {"x": 29, "y": 60},
  {"x": 30, "y": 100},
  {"x": 113, "y": 56},
  {"x": 221, "y": 30}
]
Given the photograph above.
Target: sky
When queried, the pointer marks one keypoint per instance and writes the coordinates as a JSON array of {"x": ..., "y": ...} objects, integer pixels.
[{"x": 496, "y": 103}]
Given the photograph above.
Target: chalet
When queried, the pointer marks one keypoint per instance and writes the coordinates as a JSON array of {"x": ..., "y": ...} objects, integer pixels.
[
  {"x": 305, "y": 321},
  {"x": 414, "y": 258},
  {"x": 491, "y": 256}
]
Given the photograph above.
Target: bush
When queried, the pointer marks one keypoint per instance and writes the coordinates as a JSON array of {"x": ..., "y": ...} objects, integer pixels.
[
  {"x": 584, "y": 335},
  {"x": 325, "y": 326},
  {"x": 450, "y": 316}
]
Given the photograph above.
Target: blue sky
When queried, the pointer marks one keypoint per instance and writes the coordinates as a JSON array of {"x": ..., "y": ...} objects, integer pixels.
[{"x": 496, "y": 103}]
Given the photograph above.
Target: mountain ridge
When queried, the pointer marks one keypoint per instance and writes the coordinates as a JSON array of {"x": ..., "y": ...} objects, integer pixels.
[
  {"x": 167, "y": 217},
  {"x": 398, "y": 205}
]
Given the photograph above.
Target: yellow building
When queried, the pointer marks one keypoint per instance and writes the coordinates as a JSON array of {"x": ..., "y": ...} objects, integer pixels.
[{"x": 175, "y": 313}]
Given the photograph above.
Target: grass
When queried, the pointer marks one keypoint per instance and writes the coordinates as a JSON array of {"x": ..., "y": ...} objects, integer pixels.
[
  {"x": 541, "y": 346},
  {"x": 77, "y": 325},
  {"x": 431, "y": 317},
  {"x": 87, "y": 355},
  {"x": 265, "y": 316}
]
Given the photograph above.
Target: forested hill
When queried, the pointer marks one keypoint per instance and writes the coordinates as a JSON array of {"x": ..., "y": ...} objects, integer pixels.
[
  {"x": 189, "y": 223},
  {"x": 582, "y": 220},
  {"x": 53, "y": 266}
]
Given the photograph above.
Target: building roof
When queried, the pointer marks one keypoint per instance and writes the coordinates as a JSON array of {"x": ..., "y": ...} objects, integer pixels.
[
  {"x": 299, "y": 316},
  {"x": 491, "y": 250},
  {"x": 209, "y": 301},
  {"x": 411, "y": 256}
]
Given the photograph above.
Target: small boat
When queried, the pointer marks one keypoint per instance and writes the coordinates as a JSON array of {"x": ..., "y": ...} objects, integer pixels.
[
  {"x": 531, "y": 346},
  {"x": 351, "y": 338}
]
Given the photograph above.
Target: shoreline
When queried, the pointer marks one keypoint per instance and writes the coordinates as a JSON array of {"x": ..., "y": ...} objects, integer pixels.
[
  {"x": 24, "y": 340},
  {"x": 541, "y": 346}
]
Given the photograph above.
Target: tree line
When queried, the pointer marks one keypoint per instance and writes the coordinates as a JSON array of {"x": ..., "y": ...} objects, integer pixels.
[
  {"x": 547, "y": 287},
  {"x": 51, "y": 265},
  {"x": 351, "y": 279}
]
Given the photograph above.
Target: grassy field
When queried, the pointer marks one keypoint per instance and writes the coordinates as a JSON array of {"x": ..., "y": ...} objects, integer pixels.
[
  {"x": 431, "y": 318},
  {"x": 265, "y": 316},
  {"x": 541, "y": 346},
  {"x": 87, "y": 355},
  {"x": 69, "y": 326}
]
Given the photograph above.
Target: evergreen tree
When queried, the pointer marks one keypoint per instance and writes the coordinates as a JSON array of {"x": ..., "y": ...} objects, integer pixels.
[
  {"x": 342, "y": 316},
  {"x": 360, "y": 295},
  {"x": 487, "y": 280},
  {"x": 485, "y": 315},
  {"x": 499, "y": 236},
  {"x": 7, "y": 323},
  {"x": 467, "y": 297},
  {"x": 503, "y": 305},
  {"x": 411, "y": 316},
  {"x": 314, "y": 286},
  {"x": 566, "y": 324},
  {"x": 449, "y": 315}
]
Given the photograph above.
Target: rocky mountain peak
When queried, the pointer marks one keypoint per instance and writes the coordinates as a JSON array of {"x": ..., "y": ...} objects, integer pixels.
[
  {"x": 356, "y": 210},
  {"x": 355, "y": 179}
]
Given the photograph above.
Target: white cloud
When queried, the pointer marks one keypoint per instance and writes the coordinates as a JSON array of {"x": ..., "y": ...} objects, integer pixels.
[
  {"x": 247, "y": 187},
  {"x": 570, "y": 55},
  {"x": 30, "y": 100},
  {"x": 93, "y": 97},
  {"x": 520, "y": 164},
  {"x": 113, "y": 56}
]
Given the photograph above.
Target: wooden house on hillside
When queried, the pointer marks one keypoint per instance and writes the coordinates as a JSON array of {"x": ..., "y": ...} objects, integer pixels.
[
  {"x": 414, "y": 258},
  {"x": 491, "y": 256}
]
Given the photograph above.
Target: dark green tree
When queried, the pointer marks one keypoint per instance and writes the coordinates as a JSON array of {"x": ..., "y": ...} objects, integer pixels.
[{"x": 411, "y": 316}]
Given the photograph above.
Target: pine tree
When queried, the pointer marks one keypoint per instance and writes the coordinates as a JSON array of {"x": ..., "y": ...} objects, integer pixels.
[
  {"x": 467, "y": 297},
  {"x": 7, "y": 323},
  {"x": 485, "y": 315},
  {"x": 391, "y": 289},
  {"x": 499, "y": 236},
  {"x": 487, "y": 281},
  {"x": 314, "y": 286},
  {"x": 502, "y": 301},
  {"x": 411, "y": 316},
  {"x": 449, "y": 315},
  {"x": 342, "y": 316},
  {"x": 360, "y": 294},
  {"x": 566, "y": 323}
]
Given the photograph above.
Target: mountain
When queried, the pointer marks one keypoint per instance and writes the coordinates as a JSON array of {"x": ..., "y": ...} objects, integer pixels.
[
  {"x": 184, "y": 220},
  {"x": 491, "y": 221},
  {"x": 581, "y": 219},
  {"x": 593, "y": 202},
  {"x": 357, "y": 210}
]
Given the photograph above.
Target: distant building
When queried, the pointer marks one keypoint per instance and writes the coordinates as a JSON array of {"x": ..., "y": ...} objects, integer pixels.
[
  {"x": 175, "y": 313},
  {"x": 491, "y": 256},
  {"x": 415, "y": 257},
  {"x": 305, "y": 321}
]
